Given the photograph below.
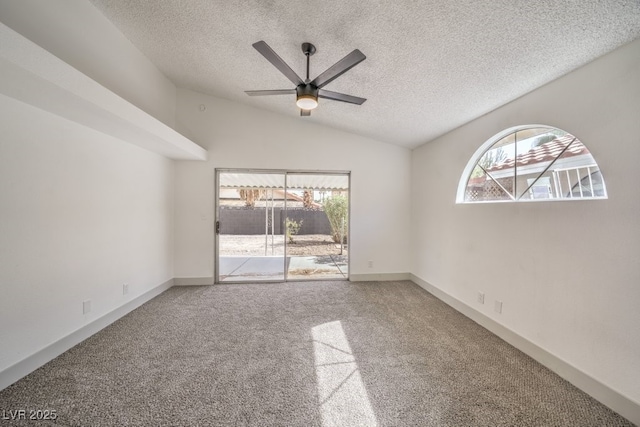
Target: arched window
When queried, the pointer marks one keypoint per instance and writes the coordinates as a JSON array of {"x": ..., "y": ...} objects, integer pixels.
[{"x": 528, "y": 163}]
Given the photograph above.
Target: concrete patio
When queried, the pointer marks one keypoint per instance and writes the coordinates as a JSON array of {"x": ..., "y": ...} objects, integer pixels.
[{"x": 250, "y": 268}]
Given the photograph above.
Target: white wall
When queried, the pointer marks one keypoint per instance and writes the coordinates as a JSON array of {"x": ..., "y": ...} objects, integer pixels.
[
  {"x": 76, "y": 32},
  {"x": 238, "y": 136},
  {"x": 81, "y": 214},
  {"x": 567, "y": 272}
]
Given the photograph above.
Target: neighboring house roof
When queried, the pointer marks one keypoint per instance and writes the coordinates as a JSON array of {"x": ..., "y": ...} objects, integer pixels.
[
  {"x": 544, "y": 153},
  {"x": 231, "y": 197},
  {"x": 292, "y": 196}
]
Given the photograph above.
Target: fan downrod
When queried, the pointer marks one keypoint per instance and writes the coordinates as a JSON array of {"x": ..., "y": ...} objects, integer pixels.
[{"x": 308, "y": 49}]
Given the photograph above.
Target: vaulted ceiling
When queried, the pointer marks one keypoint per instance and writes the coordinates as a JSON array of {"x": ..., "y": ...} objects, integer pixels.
[{"x": 432, "y": 65}]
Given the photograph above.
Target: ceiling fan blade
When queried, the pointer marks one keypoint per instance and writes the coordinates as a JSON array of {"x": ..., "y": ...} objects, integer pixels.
[
  {"x": 327, "y": 94},
  {"x": 273, "y": 57},
  {"x": 270, "y": 92},
  {"x": 339, "y": 68},
  {"x": 305, "y": 113}
]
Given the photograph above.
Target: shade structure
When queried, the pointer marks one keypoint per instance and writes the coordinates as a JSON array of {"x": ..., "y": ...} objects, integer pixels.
[{"x": 320, "y": 181}]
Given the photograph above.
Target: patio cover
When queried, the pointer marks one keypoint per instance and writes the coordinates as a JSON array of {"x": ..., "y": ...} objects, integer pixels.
[{"x": 276, "y": 181}]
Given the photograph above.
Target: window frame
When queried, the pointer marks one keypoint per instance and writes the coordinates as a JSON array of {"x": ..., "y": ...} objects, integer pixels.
[{"x": 489, "y": 143}]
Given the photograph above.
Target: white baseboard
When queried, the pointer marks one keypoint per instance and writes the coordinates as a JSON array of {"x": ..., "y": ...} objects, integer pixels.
[
  {"x": 599, "y": 391},
  {"x": 29, "y": 364},
  {"x": 378, "y": 277},
  {"x": 199, "y": 281},
  {"x": 192, "y": 281}
]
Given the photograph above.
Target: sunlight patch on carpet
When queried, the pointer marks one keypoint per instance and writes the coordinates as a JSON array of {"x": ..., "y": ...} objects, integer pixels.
[{"x": 341, "y": 392}]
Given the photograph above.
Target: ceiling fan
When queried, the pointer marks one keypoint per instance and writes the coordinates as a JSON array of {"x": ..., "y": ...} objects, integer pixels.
[{"x": 308, "y": 91}]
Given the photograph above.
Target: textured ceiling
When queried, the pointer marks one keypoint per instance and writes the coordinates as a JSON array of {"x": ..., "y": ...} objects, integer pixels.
[{"x": 432, "y": 65}]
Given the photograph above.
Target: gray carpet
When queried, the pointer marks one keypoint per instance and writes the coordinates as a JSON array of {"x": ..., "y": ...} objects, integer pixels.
[{"x": 300, "y": 354}]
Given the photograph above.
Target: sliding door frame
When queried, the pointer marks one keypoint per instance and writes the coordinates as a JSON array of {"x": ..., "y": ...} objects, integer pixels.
[{"x": 285, "y": 172}]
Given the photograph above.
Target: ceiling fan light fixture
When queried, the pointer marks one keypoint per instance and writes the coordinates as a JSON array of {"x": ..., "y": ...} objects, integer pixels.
[
  {"x": 307, "y": 91},
  {"x": 307, "y": 102}
]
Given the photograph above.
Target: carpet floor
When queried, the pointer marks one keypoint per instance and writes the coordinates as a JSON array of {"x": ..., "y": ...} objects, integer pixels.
[{"x": 299, "y": 354}]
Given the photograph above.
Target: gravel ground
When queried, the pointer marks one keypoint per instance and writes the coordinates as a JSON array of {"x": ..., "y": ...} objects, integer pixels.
[{"x": 304, "y": 245}]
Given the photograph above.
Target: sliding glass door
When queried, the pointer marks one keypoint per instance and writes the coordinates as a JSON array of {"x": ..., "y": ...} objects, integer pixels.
[
  {"x": 318, "y": 226},
  {"x": 250, "y": 243},
  {"x": 280, "y": 225}
]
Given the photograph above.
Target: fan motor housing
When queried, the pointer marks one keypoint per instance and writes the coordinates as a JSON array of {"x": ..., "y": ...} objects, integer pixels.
[{"x": 307, "y": 90}]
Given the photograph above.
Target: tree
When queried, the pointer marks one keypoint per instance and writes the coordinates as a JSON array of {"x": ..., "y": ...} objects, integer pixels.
[
  {"x": 307, "y": 199},
  {"x": 250, "y": 196},
  {"x": 493, "y": 157},
  {"x": 543, "y": 139},
  {"x": 489, "y": 159}
]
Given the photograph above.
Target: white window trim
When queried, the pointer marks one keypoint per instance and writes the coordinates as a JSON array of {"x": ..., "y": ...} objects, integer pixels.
[{"x": 475, "y": 158}]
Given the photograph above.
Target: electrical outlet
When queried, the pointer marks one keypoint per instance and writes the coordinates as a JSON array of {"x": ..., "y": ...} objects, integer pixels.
[
  {"x": 498, "y": 306},
  {"x": 86, "y": 306},
  {"x": 481, "y": 297},
  {"x": 125, "y": 289},
  {"x": 370, "y": 264}
]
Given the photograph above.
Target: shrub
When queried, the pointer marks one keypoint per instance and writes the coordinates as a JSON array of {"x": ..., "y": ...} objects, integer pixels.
[
  {"x": 337, "y": 210},
  {"x": 292, "y": 228}
]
